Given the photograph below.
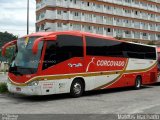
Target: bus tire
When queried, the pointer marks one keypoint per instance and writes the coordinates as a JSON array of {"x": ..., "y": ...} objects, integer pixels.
[
  {"x": 138, "y": 83},
  {"x": 77, "y": 88}
]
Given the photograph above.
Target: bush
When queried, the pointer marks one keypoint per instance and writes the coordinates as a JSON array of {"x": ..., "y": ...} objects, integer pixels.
[{"x": 3, "y": 88}]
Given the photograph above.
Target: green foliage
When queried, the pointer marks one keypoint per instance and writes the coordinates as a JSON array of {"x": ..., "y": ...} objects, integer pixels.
[
  {"x": 4, "y": 38},
  {"x": 3, "y": 88},
  {"x": 9, "y": 54}
]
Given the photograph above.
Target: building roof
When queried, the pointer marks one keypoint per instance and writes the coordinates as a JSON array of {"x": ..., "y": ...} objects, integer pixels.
[{"x": 38, "y": 34}]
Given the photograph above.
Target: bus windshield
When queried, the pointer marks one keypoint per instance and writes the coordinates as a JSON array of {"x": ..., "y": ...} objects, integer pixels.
[{"x": 24, "y": 61}]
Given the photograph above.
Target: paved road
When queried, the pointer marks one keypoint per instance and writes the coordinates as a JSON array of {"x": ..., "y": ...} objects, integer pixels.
[
  {"x": 114, "y": 101},
  {"x": 146, "y": 100}
]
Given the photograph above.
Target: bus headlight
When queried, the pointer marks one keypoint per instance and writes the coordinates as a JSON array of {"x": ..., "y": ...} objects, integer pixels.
[{"x": 34, "y": 83}]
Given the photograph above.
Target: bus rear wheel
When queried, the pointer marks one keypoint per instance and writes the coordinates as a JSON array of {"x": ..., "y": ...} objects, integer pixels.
[
  {"x": 77, "y": 88},
  {"x": 138, "y": 83}
]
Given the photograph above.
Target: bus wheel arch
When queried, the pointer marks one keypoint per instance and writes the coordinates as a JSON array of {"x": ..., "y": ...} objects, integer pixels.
[
  {"x": 77, "y": 87},
  {"x": 138, "y": 82}
]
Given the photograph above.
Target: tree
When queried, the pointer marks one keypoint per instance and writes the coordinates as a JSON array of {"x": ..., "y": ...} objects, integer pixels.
[{"x": 4, "y": 38}]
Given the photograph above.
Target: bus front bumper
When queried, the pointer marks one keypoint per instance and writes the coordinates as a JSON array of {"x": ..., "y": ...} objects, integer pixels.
[{"x": 24, "y": 90}]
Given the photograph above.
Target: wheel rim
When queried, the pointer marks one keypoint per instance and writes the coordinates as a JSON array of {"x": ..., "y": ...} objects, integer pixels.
[
  {"x": 138, "y": 83},
  {"x": 77, "y": 88}
]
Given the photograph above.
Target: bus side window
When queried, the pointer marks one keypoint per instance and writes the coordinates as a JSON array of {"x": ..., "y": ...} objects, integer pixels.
[
  {"x": 103, "y": 47},
  {"x": 50, "y": 55},
  {"x": 111, "y": 48},
  {"x": 64, "y": 48}
]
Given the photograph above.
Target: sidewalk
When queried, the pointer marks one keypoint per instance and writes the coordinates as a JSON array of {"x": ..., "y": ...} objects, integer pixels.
[
  {"x": 3, "y": 73},
  {"x": 3, "y": 77}
]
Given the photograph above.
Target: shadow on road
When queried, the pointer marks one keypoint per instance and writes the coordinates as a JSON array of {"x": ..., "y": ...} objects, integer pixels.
[
  {"x": 67, "y": 96},
  {"x": 155, "y": 84},
  {"x": 113, "y": 90}
]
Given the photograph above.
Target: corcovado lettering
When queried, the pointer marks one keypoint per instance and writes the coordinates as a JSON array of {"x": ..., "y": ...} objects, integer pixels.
[{"x": 110, "y": 63}]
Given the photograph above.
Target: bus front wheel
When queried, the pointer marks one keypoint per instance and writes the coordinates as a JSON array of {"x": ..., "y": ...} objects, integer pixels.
[
  {"x": 77, "y": 88},
  {"x": 138, "y": 83}
]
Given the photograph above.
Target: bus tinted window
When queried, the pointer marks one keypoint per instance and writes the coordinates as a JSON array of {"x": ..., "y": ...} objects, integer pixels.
[
  {"x": 103, "y": 47},
  {"x": 70, "y": 45},
  {"x": 150, "y": 55},
  {"x": 49, "y": 58},
  {"x": 139, "y": 51},
  {"x": 65, "y": 47}
]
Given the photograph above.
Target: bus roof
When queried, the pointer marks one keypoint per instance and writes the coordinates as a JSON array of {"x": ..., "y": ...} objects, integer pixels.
[{"x": 80, "y": 33}]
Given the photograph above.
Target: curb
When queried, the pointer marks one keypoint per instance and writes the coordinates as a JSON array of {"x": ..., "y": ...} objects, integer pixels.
[{"x": 3, "y": 73}]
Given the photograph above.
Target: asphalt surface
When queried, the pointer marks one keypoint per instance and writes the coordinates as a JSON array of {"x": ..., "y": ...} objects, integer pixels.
[{"x": 92, "y": 104}]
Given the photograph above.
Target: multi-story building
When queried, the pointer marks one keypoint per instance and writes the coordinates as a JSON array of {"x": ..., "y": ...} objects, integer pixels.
[{"x": 131, "y": 19}]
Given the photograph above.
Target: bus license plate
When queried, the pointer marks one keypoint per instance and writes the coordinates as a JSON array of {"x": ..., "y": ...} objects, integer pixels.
[{"x": 18, "y": 89}]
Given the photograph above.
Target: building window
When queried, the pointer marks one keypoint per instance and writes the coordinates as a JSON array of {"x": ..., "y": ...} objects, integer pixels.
[
  {"x": 88, "y": 3},
  {"x": 42, "y": 27},
  {"x": 89, "y": 27},
  {"x": 144, "y": 34},
  {"x": 108, "y": 7},
  {"x": 74, "y": 1},
  {"x": 37, "y": 28},
  {"x": 108, "y": 29},
  {"x": 59, "y": 25},
  {"x": 76, "y": 14},
  {"x": 59, "y": 12},
  {"x": 98, "y": 6},
  {"x": 127, "y": 32},
  {"x": 136, "y": 12}
]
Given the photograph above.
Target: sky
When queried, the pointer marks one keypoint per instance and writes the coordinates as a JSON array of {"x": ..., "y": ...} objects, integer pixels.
[{"x": 13, "y": 16}]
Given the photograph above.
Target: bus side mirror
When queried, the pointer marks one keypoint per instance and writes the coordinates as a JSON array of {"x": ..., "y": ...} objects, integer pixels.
[
  {"x": 9, "y": 44},
  {"x": 38, "y": 40}
]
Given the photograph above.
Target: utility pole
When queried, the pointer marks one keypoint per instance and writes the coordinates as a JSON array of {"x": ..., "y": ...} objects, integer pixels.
[{"x": 27, "y": 17}]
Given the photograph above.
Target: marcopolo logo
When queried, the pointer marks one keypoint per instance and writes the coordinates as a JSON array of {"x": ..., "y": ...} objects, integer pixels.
[{"x": 110, "y": 63}]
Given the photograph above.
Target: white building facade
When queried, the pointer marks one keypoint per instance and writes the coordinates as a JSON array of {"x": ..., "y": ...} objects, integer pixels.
[{"x": 131, "y": 19}]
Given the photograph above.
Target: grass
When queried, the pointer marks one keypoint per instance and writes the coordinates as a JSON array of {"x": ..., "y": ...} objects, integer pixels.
[{"x": 3, "y": 88}]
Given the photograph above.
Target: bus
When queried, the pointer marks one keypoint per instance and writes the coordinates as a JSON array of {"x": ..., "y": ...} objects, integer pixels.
[{"x": 46, "y": 63}]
